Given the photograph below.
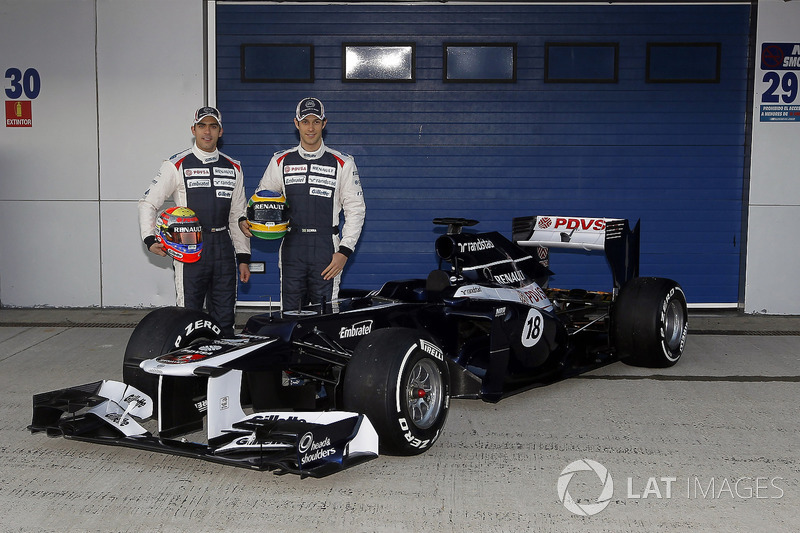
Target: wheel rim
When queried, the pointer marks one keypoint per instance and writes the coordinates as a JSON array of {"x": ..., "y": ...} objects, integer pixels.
[
  {"x": 674, "y": 321},
  {"x": 424, "y": 394}
]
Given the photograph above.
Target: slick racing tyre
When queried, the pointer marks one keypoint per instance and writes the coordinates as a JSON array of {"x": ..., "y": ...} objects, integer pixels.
[
  {"x": 650, "y": 322},
  {"x": 401, "y": 382},
  {"x": 162, "y": 331}
]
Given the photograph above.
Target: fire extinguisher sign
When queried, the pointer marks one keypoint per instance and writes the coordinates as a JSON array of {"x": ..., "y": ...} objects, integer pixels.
[{"x": 22, "y": 87}]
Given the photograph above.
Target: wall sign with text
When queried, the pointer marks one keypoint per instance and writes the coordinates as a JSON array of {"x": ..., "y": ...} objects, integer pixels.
[
  {"x": 780, "y": 64},
  {"x": 22, "y": 87}
]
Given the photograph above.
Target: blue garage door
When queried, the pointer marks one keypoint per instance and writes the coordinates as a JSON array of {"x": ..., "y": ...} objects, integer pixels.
[{"x": 606, "y": 114}]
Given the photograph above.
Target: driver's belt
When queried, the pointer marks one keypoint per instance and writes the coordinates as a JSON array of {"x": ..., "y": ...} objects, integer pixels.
[{"x": 215, "y": 230}]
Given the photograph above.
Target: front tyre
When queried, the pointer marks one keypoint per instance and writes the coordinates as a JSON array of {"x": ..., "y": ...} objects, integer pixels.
[
  {"x": 159, "y": 332},
  {"x": 401, "y": 382},
  {"x": 650, "y": 322}
]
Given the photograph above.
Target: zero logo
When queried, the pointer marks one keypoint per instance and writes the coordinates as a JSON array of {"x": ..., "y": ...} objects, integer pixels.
[
  {"x": 28, "y": 83},
  {"x": 411, "y": 439},
  {"x": 533, "y": 328}
]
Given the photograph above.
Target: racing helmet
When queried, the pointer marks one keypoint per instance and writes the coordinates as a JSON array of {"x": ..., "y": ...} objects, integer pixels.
[
  {"x": 180, "y": 232},
  {"x": 267, "y": 215}
]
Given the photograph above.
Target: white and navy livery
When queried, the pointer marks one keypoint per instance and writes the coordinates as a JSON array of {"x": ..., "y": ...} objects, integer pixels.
[
  {"x": 316, "y": 391},
  {"x": 319, "y": 187},
  {"x": 212, "y": 185}
]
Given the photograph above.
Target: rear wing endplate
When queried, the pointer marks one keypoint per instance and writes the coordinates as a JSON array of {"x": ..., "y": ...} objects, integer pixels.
[{"x": 611, "y": 235}]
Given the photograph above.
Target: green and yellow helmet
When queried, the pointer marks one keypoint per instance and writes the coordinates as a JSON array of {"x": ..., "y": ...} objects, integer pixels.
[{"x": 267, "y": 215}]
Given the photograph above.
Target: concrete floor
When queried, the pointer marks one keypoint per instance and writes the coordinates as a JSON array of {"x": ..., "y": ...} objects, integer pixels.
[{"x": 708, "y": 445}]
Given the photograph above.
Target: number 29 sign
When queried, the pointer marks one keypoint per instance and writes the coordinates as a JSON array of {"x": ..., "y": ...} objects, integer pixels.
[{"x": 780, "y": 63}]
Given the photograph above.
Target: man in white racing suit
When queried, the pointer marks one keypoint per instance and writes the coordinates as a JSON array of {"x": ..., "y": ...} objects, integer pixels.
[
  {"x": 212, "y": 185},
  {"x": 320, "y": 184}
]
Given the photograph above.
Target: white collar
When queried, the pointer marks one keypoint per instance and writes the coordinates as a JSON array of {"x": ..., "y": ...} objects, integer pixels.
[
  {"x": 205, "y": 157},
  {"x": 316, "y": 154}
]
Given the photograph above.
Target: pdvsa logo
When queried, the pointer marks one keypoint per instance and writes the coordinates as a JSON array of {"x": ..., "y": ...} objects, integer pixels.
[
  {"x": 581, "y": 224},
  {"x": 604, "y": 484}
]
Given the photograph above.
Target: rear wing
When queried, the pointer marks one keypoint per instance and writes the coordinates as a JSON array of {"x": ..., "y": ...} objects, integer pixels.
[{"x": 611, "y": 235}]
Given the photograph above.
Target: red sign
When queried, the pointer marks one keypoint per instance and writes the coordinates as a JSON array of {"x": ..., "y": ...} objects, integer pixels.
[{"x": 19, "y": 114}]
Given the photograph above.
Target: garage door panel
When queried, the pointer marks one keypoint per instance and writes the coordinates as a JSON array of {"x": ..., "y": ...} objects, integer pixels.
[{"x": 670, "y": 154}]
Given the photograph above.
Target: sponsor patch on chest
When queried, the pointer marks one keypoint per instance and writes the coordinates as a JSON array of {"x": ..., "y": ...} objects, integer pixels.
[
  {"x": 295, "y": 169},
  {"x": 294, "y": 180},
  {"x": 224, "y": 182},
  {"x": 224, "y": 172},
  {"x": 324, "y": 170},
  {"x": 189, "y": 172},
  {"x": 319, "y": 180},
  {"x": 316, "y": 191},
  {"x": 197, "y": 182}
]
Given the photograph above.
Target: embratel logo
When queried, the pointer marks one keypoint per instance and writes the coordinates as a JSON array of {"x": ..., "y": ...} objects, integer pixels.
[
  {"x": 19, "y": 114},
  {"x": 606, "y": 492}
]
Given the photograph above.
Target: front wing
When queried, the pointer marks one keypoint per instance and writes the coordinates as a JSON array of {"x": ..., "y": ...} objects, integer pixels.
[{"x": 315, "y": 443}]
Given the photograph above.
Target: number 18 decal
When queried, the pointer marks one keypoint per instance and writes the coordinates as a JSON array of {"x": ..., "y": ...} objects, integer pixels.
[{"x": 533, "y": 328}]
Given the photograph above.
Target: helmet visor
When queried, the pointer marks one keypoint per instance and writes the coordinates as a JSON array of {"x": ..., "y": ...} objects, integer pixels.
[
  {"x": 266, "y": 212},
  {"x": 185, "y": 235}
]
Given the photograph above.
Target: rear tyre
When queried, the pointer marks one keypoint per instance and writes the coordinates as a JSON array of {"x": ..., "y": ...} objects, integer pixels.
[
  {"x": 650, "y": 322},
  {"x": 401, "y": 382},
  {"x": 162, "y": 331}
]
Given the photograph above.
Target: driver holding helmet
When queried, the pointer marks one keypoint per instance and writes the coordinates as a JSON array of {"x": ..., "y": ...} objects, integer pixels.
[
  {"x": 211, "y": 184},
  {"x": 320, "y": 185}
]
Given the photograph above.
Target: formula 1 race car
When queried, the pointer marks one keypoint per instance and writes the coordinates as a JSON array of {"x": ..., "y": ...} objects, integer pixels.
[{"x": 319, "y": 389}]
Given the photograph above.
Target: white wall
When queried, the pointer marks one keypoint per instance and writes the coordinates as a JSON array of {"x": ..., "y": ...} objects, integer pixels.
[
  {"x": 150, "y": 79},
  {"x": 119, "y": 84},
  {"x": 773, "y": 245},
  {"x": 49, "y": 215}
]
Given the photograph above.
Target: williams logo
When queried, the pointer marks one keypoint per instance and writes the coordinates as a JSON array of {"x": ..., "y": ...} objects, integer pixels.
[{"x": 359, "y": 329}]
